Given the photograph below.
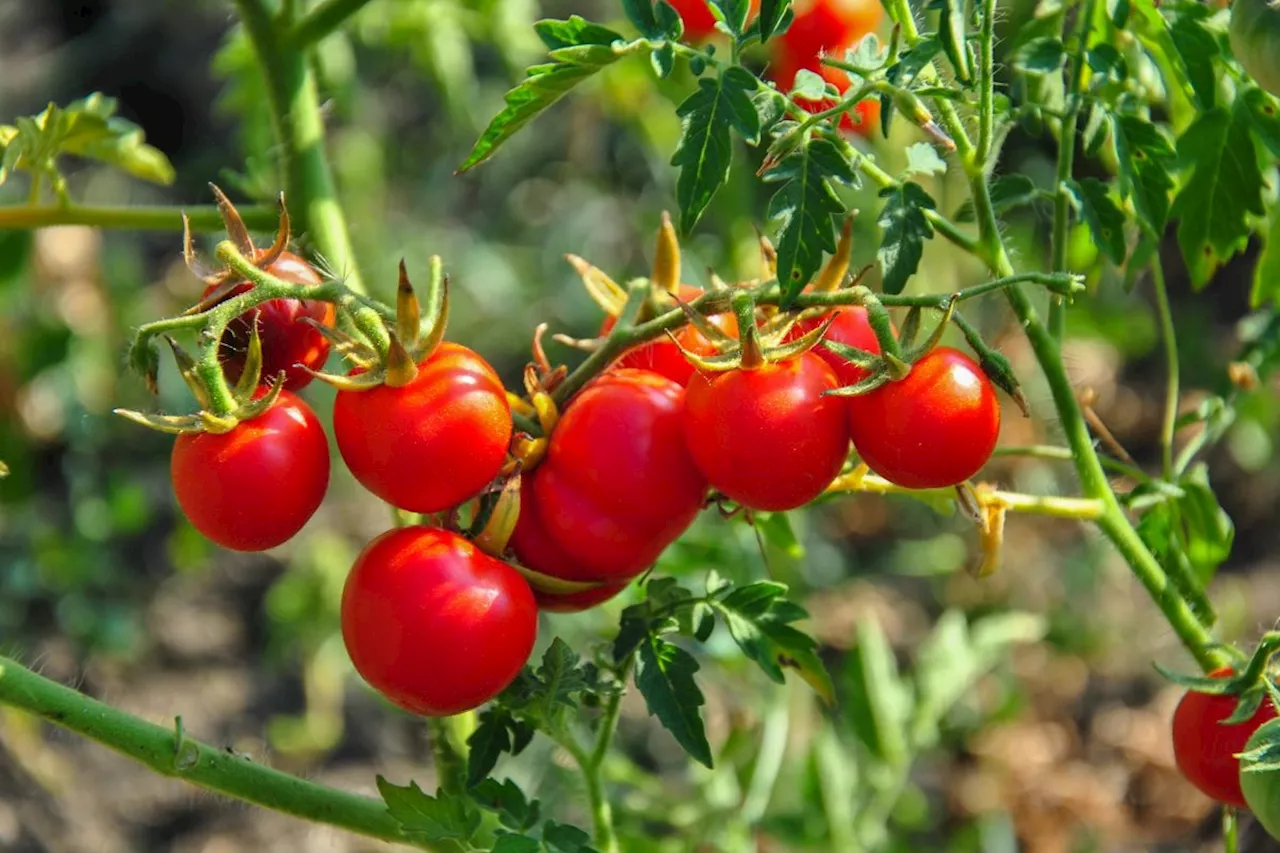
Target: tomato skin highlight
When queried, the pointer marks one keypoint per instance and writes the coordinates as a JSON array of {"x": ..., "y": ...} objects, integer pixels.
[
  {"x": 618, "y": 484},
  {"x": 768, "y": 438},
  {"x": 255, "y": 487},
  {"x": 935, "y": 428},
  {"x": 662, "y": 356},
  {"x": 431, "y": 444},
  {"x": 1204, "y": 750},
  {"x": 851, "y": 328},
  {"x": 287, "y": 342},
  {"x": 434, "y": 624}
]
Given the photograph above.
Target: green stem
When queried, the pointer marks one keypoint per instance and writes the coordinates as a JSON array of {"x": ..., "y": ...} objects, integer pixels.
[
  {"x": 601, "y": 812},
  {"x": 1064, "y": 454},
  {"x": 144, "y": 218},
  {"x": 168, "y": 752},
  {"x": 940, "y": 223},
  {"x": 299, "y": 129},
  {"x": 1167, "y": 331},
  {"x": 1066, "y": 160},
  {"x": 320, "y": 21},
  {"x": 900, "y": 11},
  {"x": 450, "y": 760},
  {"x": 986, "y": 87},
  {"x": 1080, "y": 509}
]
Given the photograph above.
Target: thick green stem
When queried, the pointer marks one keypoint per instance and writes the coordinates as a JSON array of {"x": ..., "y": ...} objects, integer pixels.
[
  {"x": 320, "y": 21},
  {"x": 601, "y": 812},
  {"x": 24, "y": 217},
  {"x": 450, "y": 760},
  {"x": 168, "y": 752},
  {"x": 299, "y": 129},
  {"x": 1170, "y": 421}
]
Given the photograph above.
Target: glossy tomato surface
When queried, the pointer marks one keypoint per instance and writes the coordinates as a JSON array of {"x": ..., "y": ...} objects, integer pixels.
[
  {"x": 618, "y": 484},
  {"x": 434, "y": 624},
  {"x": 287, "y": 341},
  {"x": 253, "y": 488},
  {"x": 662, "y": 356},
  {"x": 828, "y": 26},
  {"x": 850, "y": 328},
  {"x": 935, "y": 428},
  {"x": 768, "y": 438},
  {"x": 1205, "y": 750},
  {"x": 431, "y": 444}
]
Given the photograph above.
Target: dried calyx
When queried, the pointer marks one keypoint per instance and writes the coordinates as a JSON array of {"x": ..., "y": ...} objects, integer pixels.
[{"x": 222, "y": 283}]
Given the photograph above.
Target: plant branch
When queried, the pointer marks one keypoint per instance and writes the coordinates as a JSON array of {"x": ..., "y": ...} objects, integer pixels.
[
  {"x": 601, "y": 812},
  {"x": 24, "y": 217},
  {"x": 1081, "y": 509},
  {"x": 1167, "y": 331},
  {"x": 169, "y": 752},
  {"x": 320, "y": 21}
]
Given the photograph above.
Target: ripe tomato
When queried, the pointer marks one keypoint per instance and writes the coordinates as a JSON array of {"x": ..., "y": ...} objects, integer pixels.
[
  {"x": 617, "y": 485},
  {"x": 434, "y": 624},
  {"x": 1262, "y": 788},
  {"x": 1255, "y": 41},
  {"x": 287, "y": 342},
  {"x": 664, "y": 357},
  {"x": 253, "y": 488},
  {"x": 828, "y": 26},
  {"x": 783, "y": 72},
  {"x": 1205, "y": 750},
  {"x": 935, "y": 428},
  {"x": 768, "y": 438},
  {"x": 431, "y": 444},
  {"x": 699, "y": 23},
  {"x": 850, "y": 328}
]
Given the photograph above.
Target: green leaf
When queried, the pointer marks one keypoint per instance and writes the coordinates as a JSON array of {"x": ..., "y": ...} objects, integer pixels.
[
  {"x": 706, "y": 146},
  {"x": 561, "y": 676},
  {"x": 904, "y": 229},
  {"x": 1266, "y": 275},
  {"x": 771, "y": 14},
  {"x": 1007, "y": 193},
  {"x": 923, "y": 159},
  {"x": 497, "y": 732},
  {"x": 659, "y": 23},
  {"x": 1207, "y": 529},
  {"x": 1196, "y": 50},
  {"x": 1145, "y": 158},
  {"x": 1160, "y": 528},
  {"x": 1225, "y": 186},
  {"x": 563, "y": 838},
  {"x": 1265, "y": 116},
  {"x": 516, "y": 844},
  {"x": 580, "y": 48},
  {"x": 951, "y": 33},
  {"x": 1103, "y": 216},
  {"x": 1041, "y": 56},
  {"x": 878, "y": 703},
  {"x": 440, "y": 818},
  {"x": 759, "y": 620},
  {"x": 507, "y": 800},
  {"x": 778, "y": 533},
  {"x": 1107, "y": 61},
  {"x": 807, "y": 208},
  {"x": 734, "y": 13},
  {"x": 664, "y": 674},
  {"x": 809, "y": 86}
]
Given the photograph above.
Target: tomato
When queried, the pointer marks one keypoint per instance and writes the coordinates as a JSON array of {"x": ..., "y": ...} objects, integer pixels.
[
  {"x": 935, "y": 428},
  {"x": 783, "y": 72},
  {"x": 287, "y": 342},
  {"x": 850, "y": 328},
  {"x": 828, "y": 26},
  {"x": 254, "y": 487},
  {"x": 1261, "y": 789},
  {"x": 434, "y": 443},
  {"x": 664, "y": 357},
  {"x": 434, "y": 624},
  {"x": 1255, "y": 41},
  {"x": 1205, "y": 750},
  {"x": 699, "y": 23},
  {"x": 768, "y": 438},
  {"x": 617, "y": 485}
]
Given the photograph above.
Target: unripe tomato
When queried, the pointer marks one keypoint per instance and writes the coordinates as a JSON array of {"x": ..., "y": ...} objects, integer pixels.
[
  {"x": 1262, "y": 789},
  {"x": 937, "y": 427},
  {"x": 1205, "y": 750},
  {"x": 783, "y": 72},
  {"x": 617, "y": 485},
  {"x": 433, "y": 443},
  {"x": 699, "y": 23},
  {"x": 850, "y": 328},
  {"x": 768, "y": 438},
  {"x": 662, "y": 356},
  {"x": 253, "y": 488},
  {"x": 1255, "y": 40},
  {"x": 434, "y": 624},
  {"x": 828, "y": 26},
  {"x": 287, "y": 342}
]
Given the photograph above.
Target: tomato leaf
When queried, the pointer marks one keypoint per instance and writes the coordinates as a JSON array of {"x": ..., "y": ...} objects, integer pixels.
[
  {"x": 1159, "y": 528},
  {"x": 1266, "y": 274},
  {"x": 1007, "y": 193},
  {"x": 580, "y": 49},
  {"x": 659, "y": 21},
  {"x": 505, "y": 798},
  {"x": 516, "y": 844},
  {"x": 1207, "y": 530},
  {"x": 904, "y": 230},
  {"x": 1224, "y": 187},
  {"x": 664, "y": 674},
  {"x": 498, "y": 731},
  {"x": 443, "y": 817},
  {"x": 1145, "y": 158},
  {"x": 771, "y": 14},
  {"x": 1103, "y": 216},
  {"x": 1265, "y": 114},
  {"x": 923, "y": 159},
  {"x": 878, "y": 703},
  {"x": 759, "y": 620},
  {"x": 1196, "y": 50},
  {"x": 563, "y": 838},
  {"x": 1264, "y": 757},
  {"x": 1041, "y": 56},
  {"x": 734, "y": 13},
  {"x": 706, "y": 145}
]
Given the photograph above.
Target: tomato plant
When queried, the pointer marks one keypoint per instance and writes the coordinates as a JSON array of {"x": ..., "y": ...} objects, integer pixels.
[
  {"x": 433, "y": 443},
  {"x": 849, "y": 327},
  {"x": 699, "y": 22},
  {"x": 1206, "y": 749},
  {"x": 665, "y": 357},
  {"x": 254, "y": 487},
  {"x": 937, "y": 427},
  {"x": 828, "y": 26},
  {"x": 1255, "y": 40},
  {"x": 1258, "y": 784},
  {"x": 433, "y": 624},
  {"x": 783, "y": 73}
]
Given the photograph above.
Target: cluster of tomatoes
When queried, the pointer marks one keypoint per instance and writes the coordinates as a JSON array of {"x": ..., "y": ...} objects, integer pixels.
[{"x": 820, "y": 28}]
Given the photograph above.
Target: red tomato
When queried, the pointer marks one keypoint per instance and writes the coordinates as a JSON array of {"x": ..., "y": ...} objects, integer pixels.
[
  {"x": 618, "y": 485},
  {"x": 783, "y": 72},
  {"x": 431, "y": 444},
  {"x": 434, "y": 624},
  {"x": 768, "y": 438},
  {"x": 287, "y": 342},
  {"x": 1205, "y": 750},
  {"x": 699, "y": 23},
  {"x": 253, "y": 488},
  {"x": 849, "y": 328},
  {"x": 664, "y": 357},
  {"x": 828, "y": 26},
  {"x": 935, "y": 428}
]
